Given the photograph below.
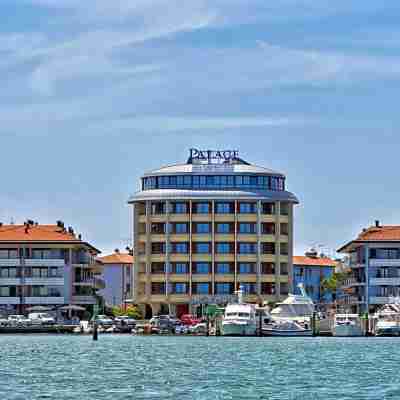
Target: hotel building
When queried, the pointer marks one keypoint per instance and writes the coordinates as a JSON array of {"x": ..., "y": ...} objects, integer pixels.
[
  {"x": 374, "y": 264},
  {"x": 45, "y": 265},
  {"x": 206, "y": 227}
]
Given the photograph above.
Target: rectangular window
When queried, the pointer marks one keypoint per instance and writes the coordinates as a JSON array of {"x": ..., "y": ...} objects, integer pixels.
[
  {"x": 53, "y": 272},
  {"x": 187, "y": 181},
  {"x": 181, "y": 228},
  {"x": 224, "y": 208},
  {"x": 223, "y": 248},
  {"x": 247, "y": 268},
  {"x": 284, "y": 208},
  {"x": 284, "y": 249},
  {"x": 201, "y": 208},
  {"x": 268, "y": 208},
  {"x": 202, "y": 288},
  {"x": 248, "y": 288},
  {"x": 157, "y": 208},
  {"x": 202, "y": 227},
  {"x": 247, "y": 208},
  {"x": 245, "y": 227},
  {"x": 180, "y": 288},
  {"x": 224, "y": 228},
  {"x": 158, "y": 288},
  {"x": 247, "y": 248},
  {"x": 179, "y": 208},
  {"x": 202, "y": 268},
  {"x": 4, "y": 291},
  {"x": 268, "y": 228},
  {"x": 268, "y": 288},
  {"x": 158, "y": 248},
  {"x": 157, "y": 268},
  {"x": 223, "y": 288},
  {"x": 202, "y": 248},
  {"x": 223, "y": 268},
  {"x": 158, "y": 228},
  {"x": 268, "y": 248},
  {"x": 180, "y": 268},
  {"x": 268, "y": 268},
  {"x": 180, "y": 248},
  {"x": 284, "y": 269}
]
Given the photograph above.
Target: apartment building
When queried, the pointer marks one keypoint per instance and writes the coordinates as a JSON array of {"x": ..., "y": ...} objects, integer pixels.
[
  {"x": 206, "y": 227},
  {"x": 46, "y": 265}
]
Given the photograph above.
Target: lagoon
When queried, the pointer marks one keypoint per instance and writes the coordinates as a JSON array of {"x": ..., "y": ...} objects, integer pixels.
[{"x": 122, "y": 367}]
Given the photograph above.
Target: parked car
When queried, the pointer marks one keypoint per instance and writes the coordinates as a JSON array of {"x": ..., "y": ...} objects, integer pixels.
[
  {"x": 18, "y": 320},
  {"x": 104, "y": 320},
  {"x": 125, "y": 320},
  {"x": 41, "y": 319},
  {"x": 162, "y": 323},
  {"x": 189, "y": 320}
]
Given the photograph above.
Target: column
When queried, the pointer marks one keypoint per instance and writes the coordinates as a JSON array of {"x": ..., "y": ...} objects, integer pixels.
[
  {"x": 236, "y": 246},
  {"x": 213, "y": 247},
  {"x": 167, "y": 249},
  {"x": 258, "y": 267},
  {"x": 290, "y": 248},
  {"x": 136, "y": 262},
  {"x": 277, "y": 250},
  {"x": 148, "y": 251}
]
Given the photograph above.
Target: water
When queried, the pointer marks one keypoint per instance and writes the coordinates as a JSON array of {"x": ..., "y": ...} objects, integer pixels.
[{"x": 128, "y": 367}]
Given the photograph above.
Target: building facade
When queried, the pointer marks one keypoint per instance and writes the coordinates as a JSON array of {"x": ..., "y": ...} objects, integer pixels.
[
  {"x": 203, "y": 228},
  {"x": 311, "y": 270},
  {"x": 45, "y": 265},
  {"x": 374, "y": 265},
  {"x": 117, "y": 275}
]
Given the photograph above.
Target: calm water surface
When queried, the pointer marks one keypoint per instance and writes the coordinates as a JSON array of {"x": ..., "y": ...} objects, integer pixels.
[{"x": 128, "y": 367}]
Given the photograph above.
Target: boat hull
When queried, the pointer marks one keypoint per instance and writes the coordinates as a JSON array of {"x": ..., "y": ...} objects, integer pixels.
[
  {"x": 232, "y": 329},
  {"x": 347, "y": 331},
  {"x": 387, "y": 329},
  {"x": 287, "y": 333}
]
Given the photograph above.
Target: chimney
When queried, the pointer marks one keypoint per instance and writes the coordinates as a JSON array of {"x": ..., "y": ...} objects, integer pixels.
[{"x": 377, "y": 225}]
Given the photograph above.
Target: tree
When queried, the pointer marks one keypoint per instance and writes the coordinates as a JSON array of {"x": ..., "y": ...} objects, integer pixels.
[
  {"x": 131, "y": 311},
  {"x": 331, "y": 284}
]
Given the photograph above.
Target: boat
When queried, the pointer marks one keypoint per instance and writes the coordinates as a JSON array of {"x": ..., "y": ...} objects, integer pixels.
[
  {"x": 388, "y": 320},
  {"x": 286, "y": 328},
  {"x": 239, "y": 318},
  {"x": 347, "y": 325}
]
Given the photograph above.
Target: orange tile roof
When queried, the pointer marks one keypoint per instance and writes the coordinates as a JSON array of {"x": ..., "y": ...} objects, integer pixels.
[
  {"x": 38, "y": 233},
  {"x": 314, "y": 262},
  {"x": 117, "y": 258}
]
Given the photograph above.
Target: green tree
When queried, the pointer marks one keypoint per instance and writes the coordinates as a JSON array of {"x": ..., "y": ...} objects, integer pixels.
[
  {"x": 131, "y": 311},
  {"x": 333, "y": 283}
]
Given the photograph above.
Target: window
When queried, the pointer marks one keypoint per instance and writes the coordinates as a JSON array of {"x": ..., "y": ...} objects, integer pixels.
[
  {"x": 223, "y": 288},
  {"x": 284, "y": 249},
  {"x": 4, "y": 291},
  {"x": 268, "y": 268},
  {"x": 268, "y": 228},
  {"x": 247, "y": 208},
  {"x": 224, "y": 208},
  {"x": 268, "y": 208},
  {"x": 247, "y": 227},
  {"x": 157, "y": 208},
  {"x": 180, "y": 288},
  {"x": 158, "y": 228},
  {"x": 180, "y": 268},
  {"x": 202, "y": 288},
  {"x": 246, "y": 248},
  {"x": 284, "y": 269},
  {"x": 248, "y": 288},
  {"x": 268, "y": 288},
  {"x": 223, "y": 228},
  {"x": 158, "y": 248},
  {"x": 53, "y": 271},
  {"x": 158, "y": 288},
  {"x": 180, "y": 248},
  {"x": 202, "y": 248},
  {"x": 179, "y": 208},
  {"x": 157, "y": 268},
  {"x": 39, "y": 291},
  {"x": 284, "y": 229},
  {"x": 202, "y": 268},
  {"x": 222, "y": 268},
  {"x": 202, "y": 228},
  {"x": 246, "y": 268},
  {"x": 268, "y": 248},
  {"x": 202, "y": 208},
  {"x": 181, "y": 228},
  {"x": 284, "y": 209},
  {"x": 223, "y": 248}
]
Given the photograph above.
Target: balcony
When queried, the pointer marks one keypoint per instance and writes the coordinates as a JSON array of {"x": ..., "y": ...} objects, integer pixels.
[
  {"x": 375, "y": 262},
  {"x": 9, "y": 300},
  {"x": 352, "y": 282},
  {"x": 52, "y": 281},
  {"x": 379, "y": 300},
  {"x": 45, "y": 262},
  {"x": 95, "y": 283},
  {"x": 83, "y": 299},
  {"x": 385, "y": 281},
  {"x": 44, "y": 300},
  {"x": 10, "y": 262}
]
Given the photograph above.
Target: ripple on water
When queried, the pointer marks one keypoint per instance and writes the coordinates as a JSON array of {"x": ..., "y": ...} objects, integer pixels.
[{"x": 128, "y": 367}]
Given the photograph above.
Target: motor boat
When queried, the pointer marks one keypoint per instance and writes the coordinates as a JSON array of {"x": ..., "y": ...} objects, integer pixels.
[
  {"x": 347, "y": 325},
  {"x": 283, "y": 327},
  {"x": 388, "y": 320},
  {"x": 239, "y": 318}
]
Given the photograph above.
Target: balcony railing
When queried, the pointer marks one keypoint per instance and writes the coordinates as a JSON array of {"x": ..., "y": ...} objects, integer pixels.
[
  {"x": 385, "y": 281},
  {"x": 44, "y": 300},
  {"x": 386, "y": 262}
]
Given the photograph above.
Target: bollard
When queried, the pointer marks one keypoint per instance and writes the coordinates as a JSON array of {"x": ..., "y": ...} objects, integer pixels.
[{"x": 95, "y": 331}]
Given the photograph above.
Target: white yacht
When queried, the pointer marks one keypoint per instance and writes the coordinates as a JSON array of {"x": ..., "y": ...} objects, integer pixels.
[
  {"x": 388, "y": 320},
  {"x": 347, "y": 325},
  {"x": 239, "y": 319},
  {"x": 292, "y": 317}
]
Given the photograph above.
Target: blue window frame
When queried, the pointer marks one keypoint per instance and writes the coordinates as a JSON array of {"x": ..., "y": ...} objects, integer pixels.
[
  {"x": 180, "y": 287},
  {"x": 246, "y": 268},
  {"x": 247, "y": 248},
  {"x": 180, "y": 208},
  {"x": 202, "y": 268},
  {"x": 245, "y": 227},
  {"x": 222, "y": 268},
  {"x": 202, "y": 288},
  {"x": 223, "y": 208},
  {"x": 248, "y": 288},
  {"x": 203, "y": 248},
  {"x": 223, "y": 288},
  {"x": 181, "y": 268},
  {"x": 202, "y": 208},
  {"x": 181, "y": 228},
  {"x": 203, "y": 228},
  {"x": 247, "y": 208},
  {"x": 223, "y": 228},
  {"x": 223, "y": 248},
  {"x": 181, "y": 248}
]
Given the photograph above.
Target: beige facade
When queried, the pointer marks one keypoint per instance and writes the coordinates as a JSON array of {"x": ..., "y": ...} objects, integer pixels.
[{"x": 198, "y": 246}]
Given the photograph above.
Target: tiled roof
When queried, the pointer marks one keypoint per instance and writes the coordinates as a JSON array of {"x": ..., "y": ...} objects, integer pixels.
[
  {"x": 314, "y": 262},
  {"x": 117, "y": 258},
  {"x": 38, "y": 233},
  {"x": 385, "y": 232}
]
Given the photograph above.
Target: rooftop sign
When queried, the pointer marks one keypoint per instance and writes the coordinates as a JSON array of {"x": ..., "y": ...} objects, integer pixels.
[{"x": 210, "y": 155}]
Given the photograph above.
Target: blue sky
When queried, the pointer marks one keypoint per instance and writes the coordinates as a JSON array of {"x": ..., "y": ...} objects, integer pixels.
[{"x": 93, "y": 93}]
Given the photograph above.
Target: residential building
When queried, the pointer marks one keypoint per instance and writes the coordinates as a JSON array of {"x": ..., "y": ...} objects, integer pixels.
[
  {"x": 45, "y": 265},
  {"x": 311, "y": 270},
  {"x": 206, "y": 227},
  {"x": 374, "y": 262},
  {"x": 117, "y": 275}
]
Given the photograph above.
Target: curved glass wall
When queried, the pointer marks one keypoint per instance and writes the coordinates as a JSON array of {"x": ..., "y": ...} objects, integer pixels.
[{"x": 214, "y": 182}]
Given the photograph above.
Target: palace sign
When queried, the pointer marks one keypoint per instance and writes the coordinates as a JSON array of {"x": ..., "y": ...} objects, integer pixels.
[{"x": 209, "y": 155}]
